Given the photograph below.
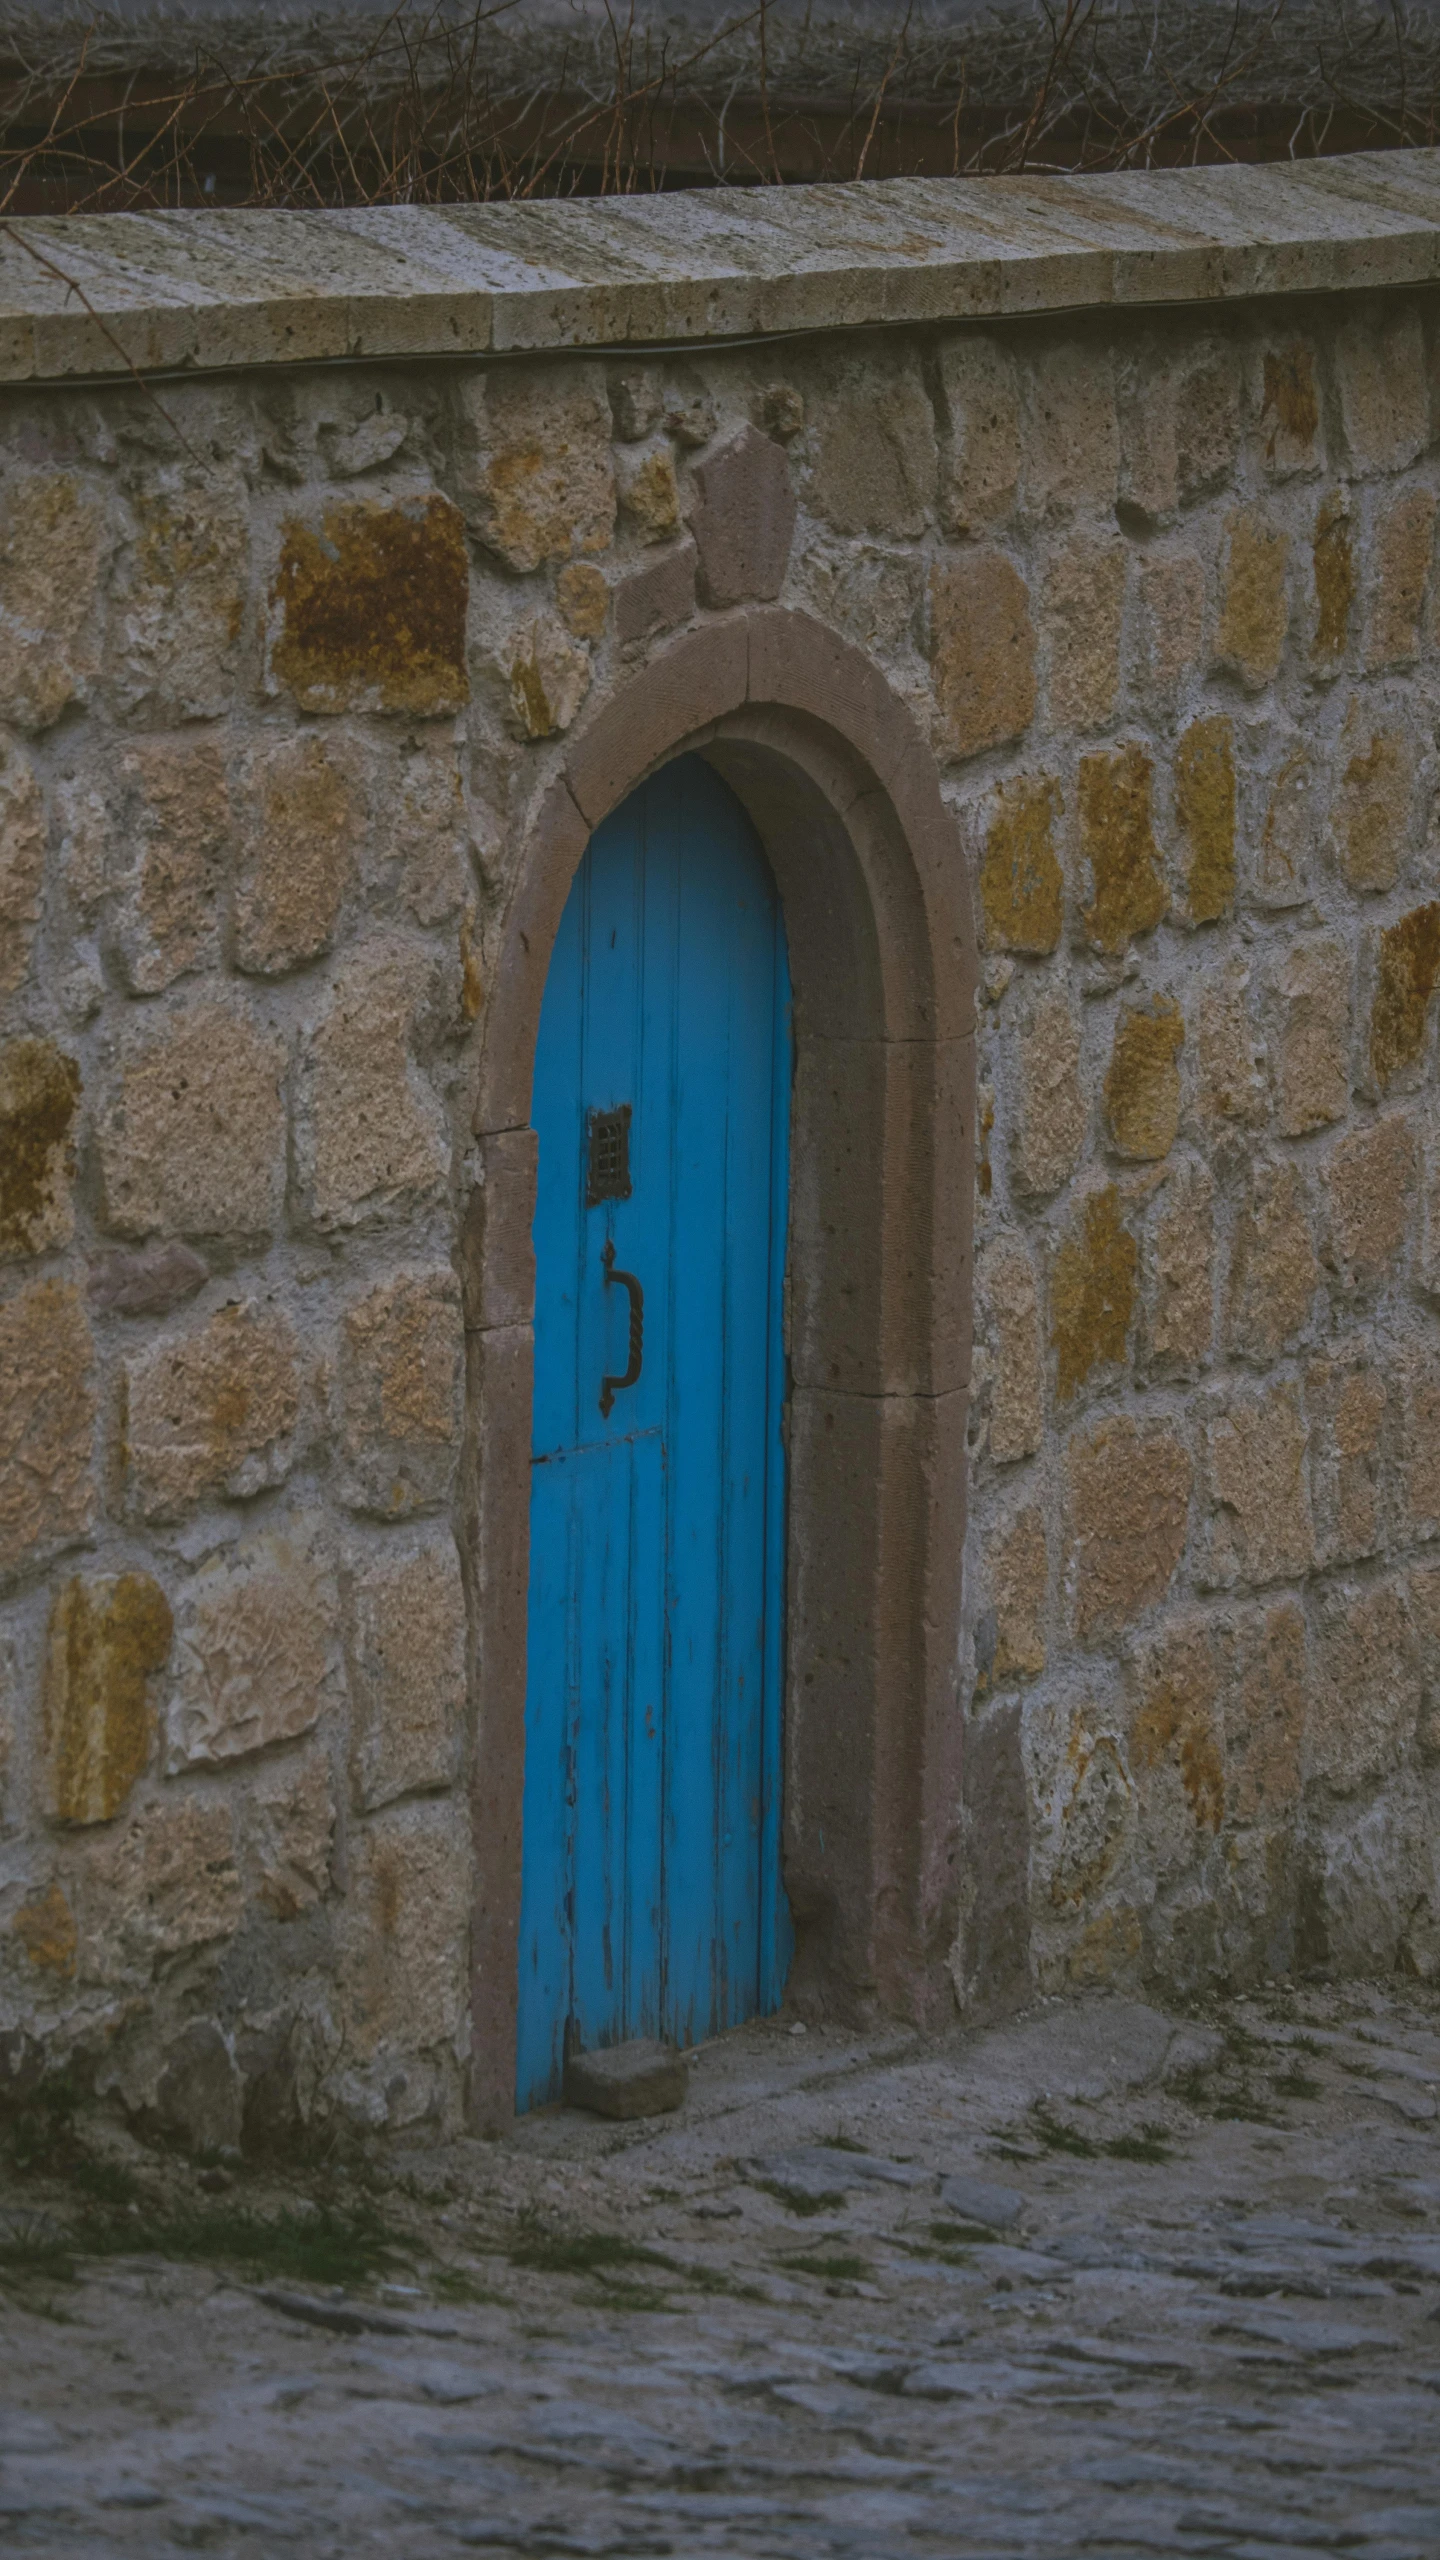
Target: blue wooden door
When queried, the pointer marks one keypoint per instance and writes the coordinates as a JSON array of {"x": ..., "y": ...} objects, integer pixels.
[{"x": 651, "y": 1900}]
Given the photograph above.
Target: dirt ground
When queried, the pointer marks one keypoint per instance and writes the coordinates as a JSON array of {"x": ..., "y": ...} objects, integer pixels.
[{"x": 1202, "y": 2317}]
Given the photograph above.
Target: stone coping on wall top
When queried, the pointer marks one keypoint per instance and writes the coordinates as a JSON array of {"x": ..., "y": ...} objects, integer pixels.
[{"x": 195, "y": 292}]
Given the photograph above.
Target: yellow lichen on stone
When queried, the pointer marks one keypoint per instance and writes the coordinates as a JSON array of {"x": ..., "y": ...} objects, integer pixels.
[
  {"x": 1205, "y": 813},
  {"x": 1291, "y": 405},
  {"x": 1409, "y": 966},
  {"x": 1092, "y": 1292},
  {"x": 1117, "y": 841},
  {"x": 1175, "y": 1722},
  {"x": 1334, "y": 563},
  {"x": 106, "y": 1638},
  {"x": 39, "y": 1089},
  {"x": 45, "y": 1927},
  {"x": 582, "y": 593},
  {"x": 373, "y": 608},
  {"x": 1142, "y": 1088},
  {"x": 1021, "y": 883},
  {"x": 1254, "y": 615}
]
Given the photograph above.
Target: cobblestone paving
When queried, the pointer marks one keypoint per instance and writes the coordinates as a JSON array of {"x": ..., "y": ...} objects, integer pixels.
[{"x": 769, "y": 2326}]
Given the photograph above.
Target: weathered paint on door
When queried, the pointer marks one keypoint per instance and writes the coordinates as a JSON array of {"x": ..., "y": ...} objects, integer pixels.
[{"x": 651, "y": 1899}]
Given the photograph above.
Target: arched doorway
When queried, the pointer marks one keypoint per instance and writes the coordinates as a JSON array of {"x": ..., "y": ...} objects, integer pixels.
[
  {"x": 840, "y": 787},
  {"x": 651, "y": 1899}
]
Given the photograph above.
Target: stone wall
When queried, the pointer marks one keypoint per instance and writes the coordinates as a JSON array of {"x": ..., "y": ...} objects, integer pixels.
[{"x": 284, "y": 662}]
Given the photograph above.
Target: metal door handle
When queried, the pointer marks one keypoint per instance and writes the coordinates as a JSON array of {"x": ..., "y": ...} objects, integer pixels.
[{"x": 610, "y": 1387}]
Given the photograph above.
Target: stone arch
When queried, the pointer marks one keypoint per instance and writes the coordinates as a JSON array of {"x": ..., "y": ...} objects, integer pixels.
[{"x": 843, "y": 790}]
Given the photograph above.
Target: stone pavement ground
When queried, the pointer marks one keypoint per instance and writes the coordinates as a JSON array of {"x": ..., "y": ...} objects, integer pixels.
[{"x": 1207, "y": 2320}]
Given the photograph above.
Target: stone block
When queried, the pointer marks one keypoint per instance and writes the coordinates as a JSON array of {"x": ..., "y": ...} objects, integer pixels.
[
  {"x": 1346, "y": 1402},
  {"x": 1018, "y": 1564},
  {"x": 1264, "y": 1713},
  {"x": 1128, "y": 1492},
  {"x": 369, "y": 608},
  {"x": 1259, "y": 1525},
  {"x": 1407, "y": 966},
  {"x": 1366, "y": 1693},
  {"x": 641, "y": 2078},
  {"x": 401, "y": 1380},
  {"x": 107, "y": 1639},
  {"x": 1423, "y": 1593},
  {"x": 1142, "y": 1085},
  {"x": 1254, "y": 609},
  {"x": 582, "y": 597},
  {"x": 53, "y": 552},
  {"x": 372, "y": 1140},
  {"x": 1290, "y": 409},
  {"x": 1371, "y": 817},
  {"x": 542, "y": 482},
  {"x": 1092, "y": 1824},
  {"x": 158, "y": 1886},
  {"x": 1229, "y": 1061},
  {"x": 1369, "y": 1185},
  {"x": 1149, "y": 448},
  {"x": 1172, "y": 618},
  {"x": 1207, "y": 422},
  {"x": 1180, "y": 1321},
  {"x": 46, "y": 1928},
  {"x": 1022, "y": 887},
  {"x": 305, "y": 807},
  {"x": 1175, "y": 1745},
  {"x": 654, "y": 597},
  {"x": 1118, "y": 848},
  {"x": 780, "y": 410},
  {"x": 410, "y": 1896},
  {"x": 423, "y": 857},
  {"x": 743, "y": 520},
  {"x": 22, "y": 864},
  {"x": 1284, "y": 859},
  {"x": 166, "y": 860},
  {"x": 1205, "y": 816},
  {"x": 983, "y": 653},
  {"x": 1071, "y": 436},
  {"x": 192, "y": 1137},
  {"x": 178, "y": 601},
  {"x": 1273, "y": 1274},
  {"x": 1049, "y": 1133},
  {"x": 1010, "y": 1330},
  {"x": 148, "y": 1283},
  {"x": 1310, "y": 1002},
  {"x": 547, "y": 675},
  {"x": 990, "y": 1967},
  {"x": 648, "y": 491},
  {"x": 39, "y": 1095},
  {"x": 288, "y": 1822},
  {"x": 198, "y": 2094},
  {"x": 979, "y": 461},
  {"x": 1417, "y": 1389},
  {"x": 407, "y": 1670},
  {"x": 1332, "y": 561},
  {"x": 1380, "y": 379},
  {"x": 1092, "y": 1292},
  {"x": 1403, "y": 548},
  {"x": 47, "y": 1424},
  {"x": 212, "y": 1411},
  {"x": 874, "y": 463},
  {"x": 257, "y": 1651},
  {"x": 1082, "y": 613}
]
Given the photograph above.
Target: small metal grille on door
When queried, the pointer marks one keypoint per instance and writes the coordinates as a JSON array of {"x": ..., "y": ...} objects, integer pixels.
[{"x": 608, "y": 1155}]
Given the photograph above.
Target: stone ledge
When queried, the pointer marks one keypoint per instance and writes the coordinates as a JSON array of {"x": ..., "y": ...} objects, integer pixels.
[{"x": 205, "y": 292}]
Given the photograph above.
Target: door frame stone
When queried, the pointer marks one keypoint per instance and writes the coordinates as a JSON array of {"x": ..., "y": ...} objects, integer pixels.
[{"x": 842, "y": 788}]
